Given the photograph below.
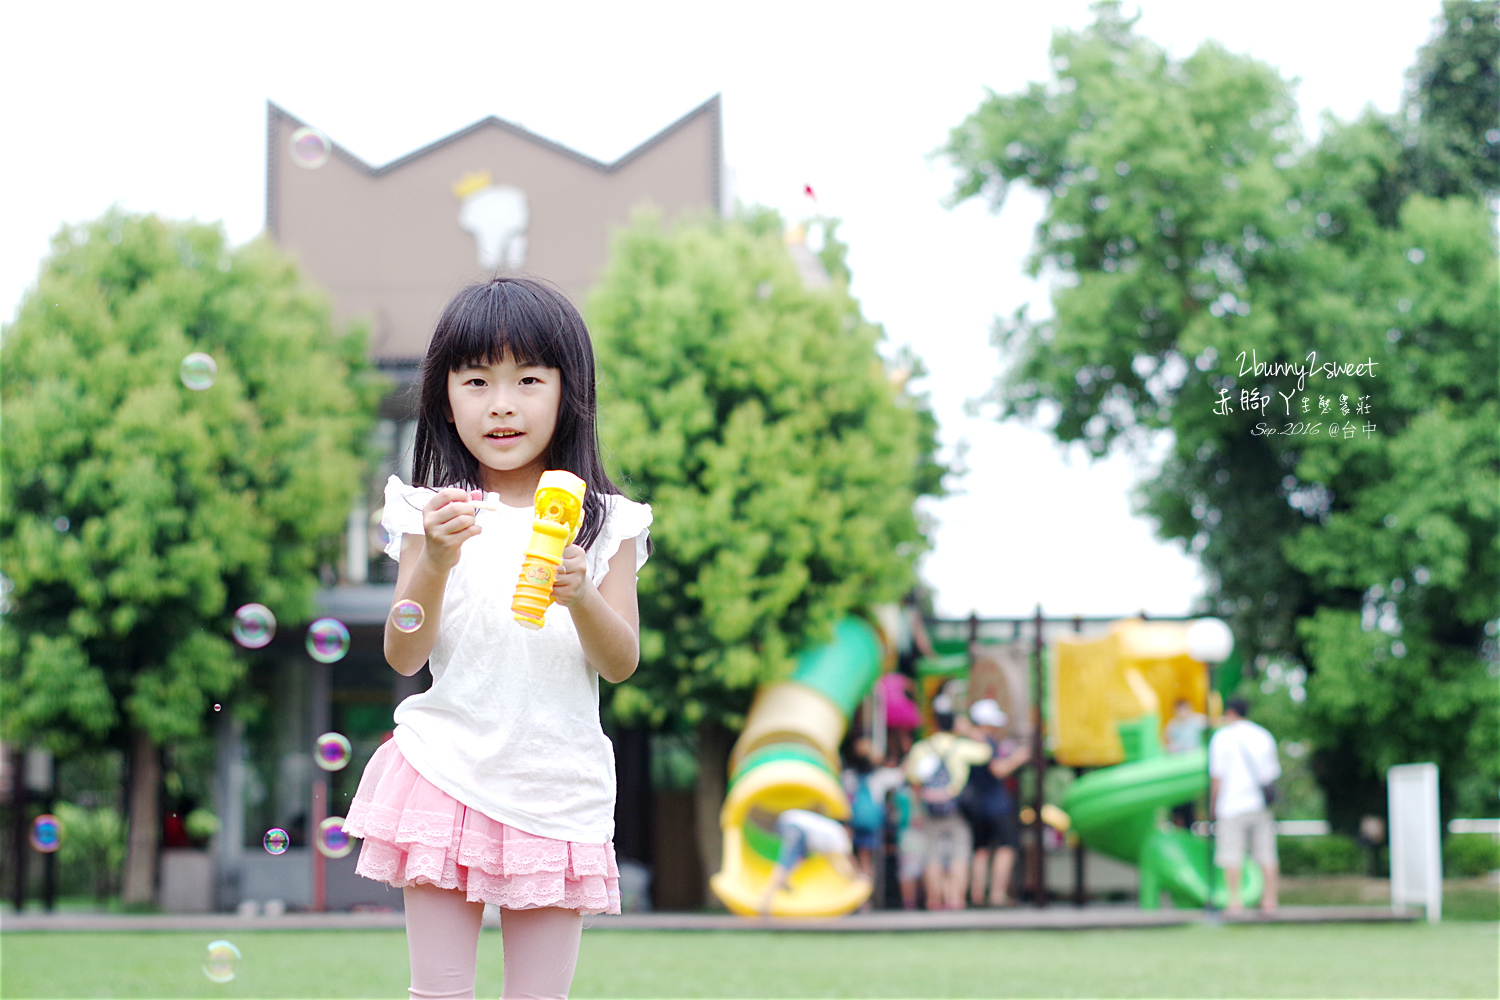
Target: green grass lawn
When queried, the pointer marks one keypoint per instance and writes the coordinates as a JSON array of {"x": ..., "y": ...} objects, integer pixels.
[{"x": 1330, "y": 960}]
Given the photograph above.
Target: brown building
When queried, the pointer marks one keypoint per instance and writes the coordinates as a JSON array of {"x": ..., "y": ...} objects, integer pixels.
[{"x": 390, "y": 245}]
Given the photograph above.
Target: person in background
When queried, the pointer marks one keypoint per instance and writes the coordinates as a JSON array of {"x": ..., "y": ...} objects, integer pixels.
[
  {"x": 904, "y": 820},
  {"x": 937, "y": 769},
  {"x": 912, "y": 641},
  {"x": 1184, "y": 735},
  {"x": 804, "y": 832},
  {"x": 989, "y": 808},
  {"x": 1241, "y": 761},
  {"x": 867, "y": 786}
]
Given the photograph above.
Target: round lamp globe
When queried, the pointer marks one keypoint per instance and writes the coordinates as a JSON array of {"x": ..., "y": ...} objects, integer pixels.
[{"x": 1209, "y": 640}]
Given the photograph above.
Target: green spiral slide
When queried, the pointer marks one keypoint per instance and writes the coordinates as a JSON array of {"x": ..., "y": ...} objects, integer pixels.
[{"x": 1117, "y": 811}]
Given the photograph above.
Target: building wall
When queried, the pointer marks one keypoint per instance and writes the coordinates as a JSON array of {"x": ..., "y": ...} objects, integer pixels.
[{"x": 387, "y": 244}]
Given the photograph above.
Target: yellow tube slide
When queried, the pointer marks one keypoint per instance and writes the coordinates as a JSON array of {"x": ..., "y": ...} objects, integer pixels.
[{"x": 787, "y": 758}]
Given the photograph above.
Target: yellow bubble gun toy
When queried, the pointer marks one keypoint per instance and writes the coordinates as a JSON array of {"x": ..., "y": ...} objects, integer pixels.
[{"x": 559, "y": 512}]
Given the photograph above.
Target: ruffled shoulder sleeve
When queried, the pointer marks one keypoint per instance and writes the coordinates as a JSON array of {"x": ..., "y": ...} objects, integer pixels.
[
  {"x": 403, "y": 512},
  {"x": 625, "y": 520}
]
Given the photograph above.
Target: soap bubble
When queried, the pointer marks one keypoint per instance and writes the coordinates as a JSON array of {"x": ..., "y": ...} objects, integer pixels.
[
  {"x": 217, "y": 706},
  {"x": 198, "y": 371},
  {"x": 46, "y": 833},
  {"x": 219, "y": 965},
  {"x": 407, "y": 616},
  {"x": 254, "y": 626},
  {"x": 327, "y": 640},
  {"x": 62, "y": 524},
  {"x": 332, "y": 841},
  {"x": 310, "y": 148},
  {"x": 333, "y": 752},
  {"x": 276, "y": 840}
]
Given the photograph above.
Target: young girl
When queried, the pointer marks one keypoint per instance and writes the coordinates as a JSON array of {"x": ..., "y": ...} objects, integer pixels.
[{"x": 499, "y": 786}]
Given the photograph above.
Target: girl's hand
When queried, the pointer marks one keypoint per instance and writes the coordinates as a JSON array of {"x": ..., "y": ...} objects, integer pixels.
[
  {"x": 573, "y": 582},
  {"x": 448, "y": 522}
]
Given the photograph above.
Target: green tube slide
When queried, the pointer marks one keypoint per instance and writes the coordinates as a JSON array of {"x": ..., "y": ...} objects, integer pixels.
[
  {"x": 842, "y": 670},
  {"x": 1118, "y": 811}
]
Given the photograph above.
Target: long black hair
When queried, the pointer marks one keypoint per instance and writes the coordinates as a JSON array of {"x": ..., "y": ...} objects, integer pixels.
[{"x": 533, "y": 322}]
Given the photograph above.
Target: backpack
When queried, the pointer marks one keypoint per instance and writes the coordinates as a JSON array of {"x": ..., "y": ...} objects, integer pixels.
[
  {"x": 937, "y": 799},
  {"x": 866, "y": 814}
]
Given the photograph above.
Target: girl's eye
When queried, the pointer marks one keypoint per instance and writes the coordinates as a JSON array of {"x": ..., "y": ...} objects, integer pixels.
[{"x": 530, "y": 380}]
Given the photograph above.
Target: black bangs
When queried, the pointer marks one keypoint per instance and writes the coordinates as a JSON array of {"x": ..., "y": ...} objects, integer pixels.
[{"x": 486, "y": 322}]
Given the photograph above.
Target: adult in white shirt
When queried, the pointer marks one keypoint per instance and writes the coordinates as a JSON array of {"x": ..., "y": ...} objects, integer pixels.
[{"x": 1241, "y": 759}]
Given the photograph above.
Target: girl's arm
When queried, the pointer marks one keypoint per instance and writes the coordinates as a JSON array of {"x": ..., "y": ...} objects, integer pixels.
[
  {"x": 426, "y": 560},
  {"x": 607, "y": 617}
]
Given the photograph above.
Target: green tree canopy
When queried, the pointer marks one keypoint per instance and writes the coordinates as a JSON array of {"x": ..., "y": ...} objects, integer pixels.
[
  {"x": 1347, "y": 517},
  {"x": 136, "y": 513},
  {"x": 756, "y": 414}
]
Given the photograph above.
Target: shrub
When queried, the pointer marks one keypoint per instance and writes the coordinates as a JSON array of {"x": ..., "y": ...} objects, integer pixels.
[
  {"x": 1332, "y": 854},
  {"x": 1466, "y": 855},
  {"x": 92, "y": 855}
]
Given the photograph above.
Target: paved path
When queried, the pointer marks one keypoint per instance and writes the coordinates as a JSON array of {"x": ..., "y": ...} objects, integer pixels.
[{"x": 1059, "y": 917}]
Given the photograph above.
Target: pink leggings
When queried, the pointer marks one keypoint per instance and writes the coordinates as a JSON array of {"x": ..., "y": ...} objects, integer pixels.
[{"x": 442, "y": 937}]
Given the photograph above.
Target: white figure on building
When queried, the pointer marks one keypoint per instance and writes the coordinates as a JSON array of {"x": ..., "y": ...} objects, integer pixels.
[{"x": 497, "y": 216}]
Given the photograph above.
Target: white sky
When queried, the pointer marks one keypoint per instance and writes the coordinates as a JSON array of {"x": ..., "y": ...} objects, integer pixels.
[{"x": 161, "y": 107}]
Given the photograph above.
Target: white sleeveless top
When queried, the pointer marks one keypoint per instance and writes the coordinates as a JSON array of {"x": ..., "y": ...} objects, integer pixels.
[{"x": 510, "y": 726}]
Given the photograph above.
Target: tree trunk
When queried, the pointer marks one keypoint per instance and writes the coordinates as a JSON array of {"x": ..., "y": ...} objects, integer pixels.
[
  {"x": 634, "y": 808},
  {"x": 714, "y": 744},
  {"x": 145, "y": 821}
]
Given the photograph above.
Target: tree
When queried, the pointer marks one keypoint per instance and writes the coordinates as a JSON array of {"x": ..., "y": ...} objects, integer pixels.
[
  {"x": 1198, "y": 235},
  {"x": 1452, "y": 133},
  {"x": 755, "y": 412},
  {"x": 136, "y": 513}
]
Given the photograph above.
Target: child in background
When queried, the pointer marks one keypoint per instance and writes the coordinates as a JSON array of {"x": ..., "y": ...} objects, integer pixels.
[
  {"x": 803, "y": 832},
  {"x": 1184, "y": 734},
  {"x": 867, "y": 784},
  {"x": 499, "y": 784}
]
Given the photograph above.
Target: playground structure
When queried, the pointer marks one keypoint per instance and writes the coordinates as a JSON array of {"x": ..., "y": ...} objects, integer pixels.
[
  {"x": 1110, "y": 700},
  {"x": 788, "y": 758},
  {"x": 1107, "y": 699}
]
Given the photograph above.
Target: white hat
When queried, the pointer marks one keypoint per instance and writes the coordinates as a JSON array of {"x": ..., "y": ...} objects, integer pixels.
[{"x": 987, "y": 712}]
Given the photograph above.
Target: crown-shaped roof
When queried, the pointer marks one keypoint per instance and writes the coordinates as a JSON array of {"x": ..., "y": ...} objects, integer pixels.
[{"x": 392, "y": 243}]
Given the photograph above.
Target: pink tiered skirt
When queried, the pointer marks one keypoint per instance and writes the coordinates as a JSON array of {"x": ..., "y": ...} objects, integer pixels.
[{"x": 415, "y": 833}]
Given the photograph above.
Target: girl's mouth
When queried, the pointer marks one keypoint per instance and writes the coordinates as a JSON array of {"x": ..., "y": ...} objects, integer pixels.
[{"x": 503, "y": 435}]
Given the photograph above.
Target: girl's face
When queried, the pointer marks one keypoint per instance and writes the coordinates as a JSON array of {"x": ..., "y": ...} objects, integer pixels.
[{"x": 505, "y": 414}]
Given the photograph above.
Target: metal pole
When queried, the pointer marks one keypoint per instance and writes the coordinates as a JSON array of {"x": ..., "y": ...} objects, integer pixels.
[
  {"x": 49, "y": 867},
  {"x": 1208, "y": 702},
  {"x": 320, "y": 707},
  {"x": 1038, "y": 864},
  {"x": 18, "y": 801},
  {"x": 1080, "y": 852},
  {"x": 319, "y": 862}
]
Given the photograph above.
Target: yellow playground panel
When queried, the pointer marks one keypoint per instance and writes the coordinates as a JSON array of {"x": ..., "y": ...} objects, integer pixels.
[{"x": 1140, "y": 667}]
